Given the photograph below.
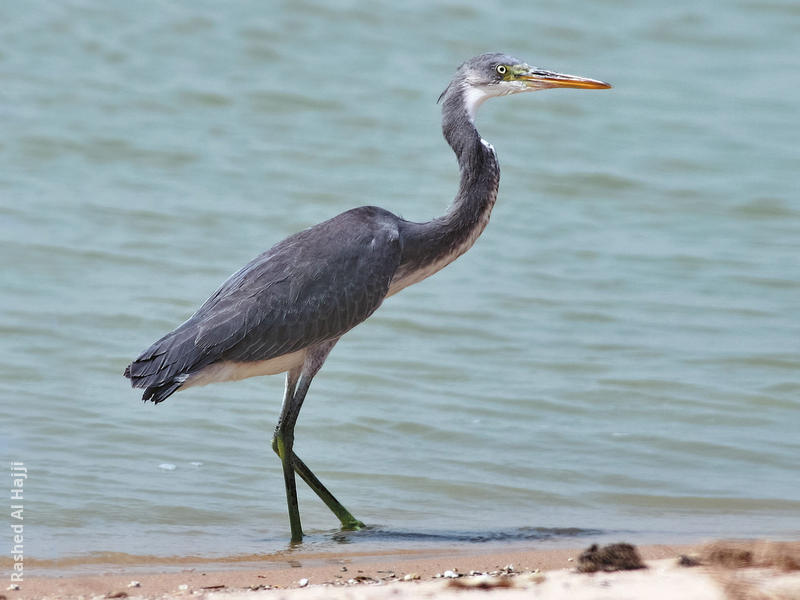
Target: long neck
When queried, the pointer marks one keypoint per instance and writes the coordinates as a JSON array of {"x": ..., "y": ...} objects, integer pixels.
[
  {"x": 428, "y": 247},
  {"x": 480, "y": 173}
]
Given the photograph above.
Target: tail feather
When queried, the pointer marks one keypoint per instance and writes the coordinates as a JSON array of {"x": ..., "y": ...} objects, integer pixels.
[
  {"x": 163, "y": 368},
  {"x": 145, "y": 367},
  {"x": 160, "y": 393}
]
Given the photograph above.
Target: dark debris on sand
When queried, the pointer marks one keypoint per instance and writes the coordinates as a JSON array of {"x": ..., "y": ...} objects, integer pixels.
[{"x": 613, "y": 557}]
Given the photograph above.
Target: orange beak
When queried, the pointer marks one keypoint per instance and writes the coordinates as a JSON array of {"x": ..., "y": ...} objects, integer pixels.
[{"x": 540, "y": 79}]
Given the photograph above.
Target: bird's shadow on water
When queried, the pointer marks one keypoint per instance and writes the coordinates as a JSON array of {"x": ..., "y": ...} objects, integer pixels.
[{"x": 375, "y": 535}]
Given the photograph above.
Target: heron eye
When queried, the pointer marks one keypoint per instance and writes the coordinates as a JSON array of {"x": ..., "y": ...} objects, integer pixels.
[{"x": 501, "y": 69}]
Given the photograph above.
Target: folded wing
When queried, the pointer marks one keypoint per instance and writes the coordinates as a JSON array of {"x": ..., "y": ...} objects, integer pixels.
[{"x": 311, "y": 287}]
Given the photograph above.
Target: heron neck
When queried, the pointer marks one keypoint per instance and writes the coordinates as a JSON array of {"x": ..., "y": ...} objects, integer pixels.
[
  {"x": 428, "y": 247},
  {"x": 480, "y": 173}
]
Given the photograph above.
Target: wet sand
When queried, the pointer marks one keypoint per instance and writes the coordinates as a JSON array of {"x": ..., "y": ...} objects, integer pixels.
[{"x": 756, "y": 568}]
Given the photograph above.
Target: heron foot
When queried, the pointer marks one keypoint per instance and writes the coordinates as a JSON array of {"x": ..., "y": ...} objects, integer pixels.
[
  {"x": 353, "y": 525},
  {"x": 348, "y": 521}
]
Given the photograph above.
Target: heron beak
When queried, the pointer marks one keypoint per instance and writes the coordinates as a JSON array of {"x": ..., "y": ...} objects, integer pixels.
[{"x": 541, "y": 79}]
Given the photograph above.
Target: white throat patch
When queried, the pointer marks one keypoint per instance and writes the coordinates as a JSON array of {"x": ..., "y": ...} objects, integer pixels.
[{"x": 473, "y": 98}]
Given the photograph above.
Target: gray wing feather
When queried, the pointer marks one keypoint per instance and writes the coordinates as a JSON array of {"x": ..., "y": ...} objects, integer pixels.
[{"x": 311, "y": 287}]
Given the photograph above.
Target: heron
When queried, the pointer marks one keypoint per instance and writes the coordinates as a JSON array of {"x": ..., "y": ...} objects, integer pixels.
[{"x": 285, "y": 310}]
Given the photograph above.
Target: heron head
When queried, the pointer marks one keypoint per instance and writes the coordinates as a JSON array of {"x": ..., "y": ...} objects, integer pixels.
[{"x": 497, "y": 74}]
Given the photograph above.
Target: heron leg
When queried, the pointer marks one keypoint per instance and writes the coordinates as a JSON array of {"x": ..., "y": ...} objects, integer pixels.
[
  {"x": 347, "y": 520},
  {"x": 297, "y": 384},
  {"x": 282, "y": 443}
]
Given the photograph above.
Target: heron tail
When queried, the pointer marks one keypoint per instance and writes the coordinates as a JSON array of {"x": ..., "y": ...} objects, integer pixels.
[
  {"x": 157, "y": 392},
  {"x": 165, "y": 366}
]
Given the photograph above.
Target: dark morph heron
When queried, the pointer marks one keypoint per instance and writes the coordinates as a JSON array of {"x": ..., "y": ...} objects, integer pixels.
[{"x": 287, "y": 308}]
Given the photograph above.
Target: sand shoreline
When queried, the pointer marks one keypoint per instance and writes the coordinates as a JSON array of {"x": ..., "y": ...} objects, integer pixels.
[{"x": 357, "y": 575}]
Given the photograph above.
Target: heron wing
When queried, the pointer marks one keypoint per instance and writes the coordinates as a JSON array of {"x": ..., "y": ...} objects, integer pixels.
[{"x": 311, "y": 287}]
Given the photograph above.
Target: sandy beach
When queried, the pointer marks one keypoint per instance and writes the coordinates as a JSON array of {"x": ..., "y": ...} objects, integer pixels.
[{"x": 720, "y": 570}]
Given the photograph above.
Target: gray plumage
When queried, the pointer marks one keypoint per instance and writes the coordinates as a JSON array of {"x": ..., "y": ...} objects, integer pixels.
[
  {"x": 287, "y": 308},
  {"x": 313, "y": 286}
]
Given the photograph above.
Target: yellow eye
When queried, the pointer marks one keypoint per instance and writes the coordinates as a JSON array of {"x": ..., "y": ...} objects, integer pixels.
[{"x": 501, "y": 69}]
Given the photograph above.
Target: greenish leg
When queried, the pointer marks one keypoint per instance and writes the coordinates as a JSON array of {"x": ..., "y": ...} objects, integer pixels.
[
  {"x": 283, "y": 443},
  {"x": 285, "y": 453},
  {"x": 348, "y": 521}
]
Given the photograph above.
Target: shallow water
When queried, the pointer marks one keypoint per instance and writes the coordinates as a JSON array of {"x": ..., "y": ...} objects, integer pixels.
[{"x": 618, "y": 354}]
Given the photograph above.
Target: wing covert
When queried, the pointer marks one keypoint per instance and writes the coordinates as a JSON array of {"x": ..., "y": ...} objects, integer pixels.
[{"x": 313, "y": 286}]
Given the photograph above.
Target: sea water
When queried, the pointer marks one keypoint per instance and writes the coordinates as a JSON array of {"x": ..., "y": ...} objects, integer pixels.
[{"x": 618, "y": 355}]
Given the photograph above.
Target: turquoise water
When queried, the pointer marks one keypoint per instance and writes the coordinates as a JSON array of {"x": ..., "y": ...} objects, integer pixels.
[{"x": 618, "y": 355}]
